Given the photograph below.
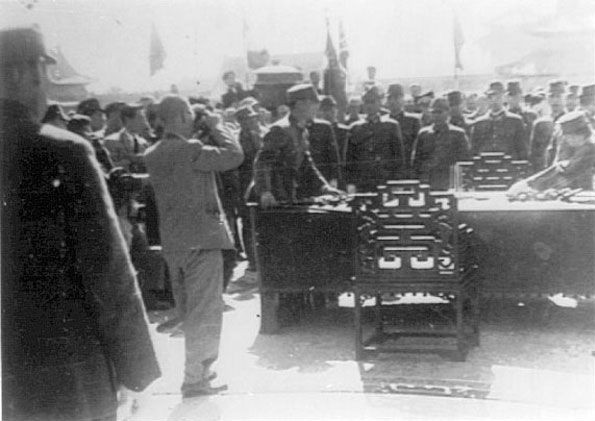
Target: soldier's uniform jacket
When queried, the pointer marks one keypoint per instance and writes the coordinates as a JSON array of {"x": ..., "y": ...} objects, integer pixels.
[
  {"x": 73, "y": 322},
  {"x": 284, "y": 165},
  {"x": 324, "y": 148},
  {"x": 342, "y": 135},
  {"x": 436, "y": 150},
  {"x": 543, "y": 142},
  {"x": 529, "y": 117},
  {"x": 410, "y": 125},
  {"x": 375, "y": 153},
  {"x": 459, "y": 120},
  {"x": 500, "y": 132}
]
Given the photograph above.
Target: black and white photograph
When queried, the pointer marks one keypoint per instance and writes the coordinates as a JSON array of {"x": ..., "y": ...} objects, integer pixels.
[{"x": 297, "y": 210}]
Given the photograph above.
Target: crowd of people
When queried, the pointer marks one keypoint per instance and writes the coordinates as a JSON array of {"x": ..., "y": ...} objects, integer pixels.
[{"x": 206, "y": 161}]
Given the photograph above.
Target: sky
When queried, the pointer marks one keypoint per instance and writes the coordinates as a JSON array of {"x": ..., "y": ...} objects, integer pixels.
[{"x": 108, "y": 40}]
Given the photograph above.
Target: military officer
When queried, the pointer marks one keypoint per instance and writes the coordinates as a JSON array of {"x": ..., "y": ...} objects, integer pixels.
[
  {"x": 499, "y": 130},
  {"x": 284, "y": 170},
  {"x": 328, "y": 112},
  {"x": 409, "y": 122},
  {"x": 574, "y": 162},
  {"x": 455, "y": 103},
  {"x": 543, "y": 137},
  {"x": 375, "y": 151},
  {"x": 438, "y": 147},
  {"x": 423, "y": 102},
  {"x": 324, "y": 147},
  {"x": 74, "y": 328},
  {"x": 514, "y": 98},
  {"x": 587, "y": 101},
  {"x": 127, "y": 146},
  {"x": 91, "y": 108}
]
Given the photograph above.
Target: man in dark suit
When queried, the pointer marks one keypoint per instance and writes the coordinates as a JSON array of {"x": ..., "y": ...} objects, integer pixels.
[
  {"x": 375, "y": 151},
  {"x": 410, "y": 123},
  {"x": 284, "y": 168},
  {"x": 74, "y": 327},
  {"x": 499, "y": 130},
  {"x": 438, "y": 147},
  {"x": 235, "y": 92}
]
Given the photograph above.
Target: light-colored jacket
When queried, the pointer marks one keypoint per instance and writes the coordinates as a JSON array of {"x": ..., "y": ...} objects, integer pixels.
[
  {"x": 121, "y": 148},
  {"x": 182, "y": 173}
]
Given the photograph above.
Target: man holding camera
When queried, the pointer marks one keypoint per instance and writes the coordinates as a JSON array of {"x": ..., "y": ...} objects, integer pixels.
[{"x": 193, "y": 229}]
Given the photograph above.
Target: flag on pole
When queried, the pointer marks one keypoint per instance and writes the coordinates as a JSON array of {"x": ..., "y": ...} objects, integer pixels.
[
  {"x": 157, "y": 52},
  {"x": 459, "y": 40},
  {"x": 331, "y": 53},
  {"x": 343, "y": 48}
]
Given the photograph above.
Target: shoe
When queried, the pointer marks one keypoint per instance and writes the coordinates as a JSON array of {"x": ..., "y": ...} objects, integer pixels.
[
  {"x": 201, "y": 389},
  {"x": 170, "y": 324}
]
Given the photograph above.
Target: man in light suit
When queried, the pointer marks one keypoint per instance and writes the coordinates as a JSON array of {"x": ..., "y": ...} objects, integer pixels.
[{"x": 193, "y": 230}]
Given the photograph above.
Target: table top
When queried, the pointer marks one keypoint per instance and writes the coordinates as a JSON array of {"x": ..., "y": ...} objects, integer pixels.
[{"x": 468, "y": 202}]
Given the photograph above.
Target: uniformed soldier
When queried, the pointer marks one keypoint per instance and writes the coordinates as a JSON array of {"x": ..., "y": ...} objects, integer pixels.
[
  {"x": 423, "y": 102},
  {"x": 457, "y": 116},
  {"x": 324, "y": 147},
  {"x": 284, "y": 168},
  {"x": 574, "y": 162},
  {"x": 371, "y": 81},
  {"x": 354, "y": 109},
  {"x": 409, "y": 122},
  {"x": 499, "y": 130},
  {"x": 127, "y": 146},
  {"x": 438, "y": 147},
  {"x": 587, "y": 101},
  {"x": 91, "y": 108},
  {"x": 251, "y": 140},
  {"x": 375, "y": 151},
  {"x": 514, "y": 99},
  {"x": 328, "y": 112},
  {"x": 74, "y": 329},
  {"x": 411, "y": 105},
  {"x": 572, "y": 98},
  {"x": 543, "y": 137}
]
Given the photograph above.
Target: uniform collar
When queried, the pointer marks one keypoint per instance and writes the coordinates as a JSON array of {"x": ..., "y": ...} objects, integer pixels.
[{"x": 498, "y": 114}]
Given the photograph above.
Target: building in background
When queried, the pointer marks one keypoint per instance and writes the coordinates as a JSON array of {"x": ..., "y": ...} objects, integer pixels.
[{"x": 66, "y": 84}]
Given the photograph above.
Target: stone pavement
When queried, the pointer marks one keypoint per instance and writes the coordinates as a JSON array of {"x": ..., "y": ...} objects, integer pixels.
[{"x": 527, "y": 355}]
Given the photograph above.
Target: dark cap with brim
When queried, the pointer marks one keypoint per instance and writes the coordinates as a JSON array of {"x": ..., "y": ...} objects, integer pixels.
[
  {"x": 440, "y": 104},
  {"x": 396, "y": 91},
  {"x": 114, "y": 107},
  {"x": 495, "y": 87},
  {"x": 328, "y": 101},
  {"x": 89, "y": 107},
  {"x": 302, "y": 92},
  {"x": 455, "y": 98},
  {"x": 19, "y": 45},
  {"x": 557, "y": 87},
  {"x": 129, "y": 110},
  {"x": 55, "y": 111},
  {"x": 245, "y": 112}
]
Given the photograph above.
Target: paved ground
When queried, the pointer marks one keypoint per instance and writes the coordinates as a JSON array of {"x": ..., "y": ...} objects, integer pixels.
[{"x": 538, "y": 353}]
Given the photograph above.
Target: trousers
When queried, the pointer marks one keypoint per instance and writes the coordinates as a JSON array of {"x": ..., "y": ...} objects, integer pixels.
[{"x": 197, "y": 286}]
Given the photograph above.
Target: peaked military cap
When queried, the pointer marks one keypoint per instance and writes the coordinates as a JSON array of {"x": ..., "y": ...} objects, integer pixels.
[
  {"x": 396, "y": 90},
  {"x": 455, "y": 98},
  {"x": 303, "y": 91},
  {"x": 557, "y": 87},
  {"x": 55, "y": 111},
  {"x": 495, "y": 87},
  {"x": 89, "y": 106},
  {"x": 328, "y": 101},
  {"x": 244, "y": 112},
  {"x": 18, "y": 45}
]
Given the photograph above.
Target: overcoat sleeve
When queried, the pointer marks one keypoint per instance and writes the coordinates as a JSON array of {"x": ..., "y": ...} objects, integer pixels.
[{"x": 109, "y": 279}]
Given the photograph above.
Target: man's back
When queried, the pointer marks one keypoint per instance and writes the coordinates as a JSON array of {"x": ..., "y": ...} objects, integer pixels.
[
  {"x": 190, "y": 211},
  {"x": 69, "y": 296}
]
